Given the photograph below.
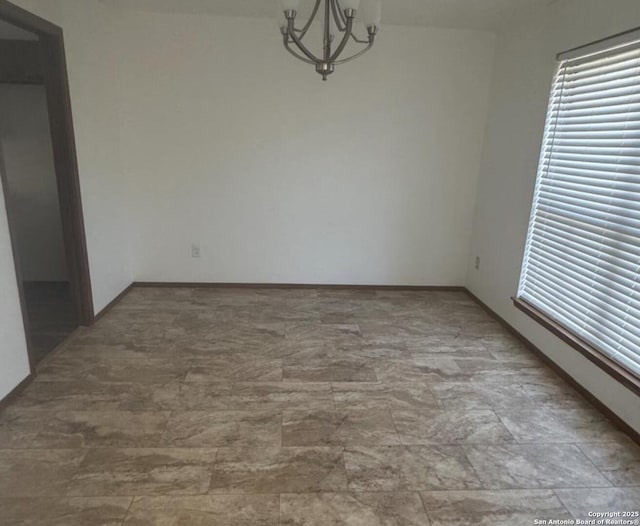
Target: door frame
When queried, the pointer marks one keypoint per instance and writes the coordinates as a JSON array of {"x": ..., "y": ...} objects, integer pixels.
[{"x": 65, "y": 162}]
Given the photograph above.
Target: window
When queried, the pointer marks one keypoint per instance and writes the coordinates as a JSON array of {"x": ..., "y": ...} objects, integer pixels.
[{"x": 582, "y": 260}]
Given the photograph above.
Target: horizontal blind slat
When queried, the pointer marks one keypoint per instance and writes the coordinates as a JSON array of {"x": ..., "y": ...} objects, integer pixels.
[
  {"x": 601, "y": 78},
  {"x": 595, "y": 149},
  {"x": 620, "y": 96},
  {"x": 596, "y": 142},
  {"x": 613, "y": 110},
  {"x": 623, "y": 206},
  {"x": 559, "y": 104},
  {"x": 597, "y": 186},
  {"x": 589, "y": 213},
  {"x": 604, "y": 89},
  {"x": 625, "y": 244},
  {"x": 593, "y": 173},
  {"x": 567, "y": 118},
  {"x": 619, "y": 247},
  {"x": 590, "y": 221},
  {"x": 598, "y": 67},
  {"x": 584, "y": 157},
  {"x": 606, "y": 135},
  {"x": 626, "y": 264}
]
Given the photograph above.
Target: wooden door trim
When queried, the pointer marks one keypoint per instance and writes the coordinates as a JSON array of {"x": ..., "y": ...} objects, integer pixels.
[{"x": 65, "y": 161}]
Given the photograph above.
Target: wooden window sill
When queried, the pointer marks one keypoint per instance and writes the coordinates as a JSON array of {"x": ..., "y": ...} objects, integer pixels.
[{"x": 614, "y": 369}]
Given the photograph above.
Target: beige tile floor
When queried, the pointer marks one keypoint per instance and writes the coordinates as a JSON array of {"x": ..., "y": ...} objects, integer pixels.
[{"x": 304, "y": 407}]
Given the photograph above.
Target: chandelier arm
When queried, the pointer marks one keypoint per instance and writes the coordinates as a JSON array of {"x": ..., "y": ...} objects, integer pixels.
[
  {"x": 327, "y": 38},
  {"x": 345, "y": 40},
  {"x": 298, "y": 42},
  {"x": 287, "y": 46},
  {"x": 338, "y": 15},
  {"x": 353, "y": 57},
  {"x": 341, "y": 11},
  {"x": 358, "y": 40},
  {"x": 309, "y": 23}
]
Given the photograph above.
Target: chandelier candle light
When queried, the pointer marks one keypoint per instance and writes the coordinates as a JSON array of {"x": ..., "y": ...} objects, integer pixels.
[{"x": 338, "y": 17}]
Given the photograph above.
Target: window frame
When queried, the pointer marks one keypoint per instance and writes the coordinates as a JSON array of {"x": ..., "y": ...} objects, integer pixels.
[{"x": 620, "y": 372}]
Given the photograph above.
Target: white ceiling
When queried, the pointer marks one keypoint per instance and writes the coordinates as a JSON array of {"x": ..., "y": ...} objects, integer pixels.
[
  {"x": 11, "y": 32},
  {"x": 463, "y": 14}
]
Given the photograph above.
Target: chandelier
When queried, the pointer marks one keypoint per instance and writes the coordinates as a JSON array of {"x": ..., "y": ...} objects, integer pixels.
[{"x": 338, "y": 18}]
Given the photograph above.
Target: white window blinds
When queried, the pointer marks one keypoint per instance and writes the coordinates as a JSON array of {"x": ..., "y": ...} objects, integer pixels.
[{"x": 582, "y": 258}]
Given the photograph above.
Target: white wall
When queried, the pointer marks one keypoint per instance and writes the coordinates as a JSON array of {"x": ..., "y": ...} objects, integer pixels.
[
  {"x": 25, "y": 140},
  {"x": 231, "y": 143},
  {"x": 92, "y": 58},
  {"x": 525, "y": 62}
]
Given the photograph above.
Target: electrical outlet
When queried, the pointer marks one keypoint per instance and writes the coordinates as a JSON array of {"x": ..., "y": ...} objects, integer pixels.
[
  {"x": 477, "y": 263},
  {"x": 195, "y": 250}
]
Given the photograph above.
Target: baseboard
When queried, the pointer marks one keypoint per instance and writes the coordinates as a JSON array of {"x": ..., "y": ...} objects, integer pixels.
[
  {"x": 193, "y": 285},
  {"x": 188, "y": 285},
  {"x": 113, "y": 303},
  {"x": 596, "y": 402},
  {"x": 15, "y": 392}
]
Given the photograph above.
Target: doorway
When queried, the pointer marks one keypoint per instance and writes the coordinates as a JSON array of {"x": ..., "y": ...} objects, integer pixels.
[{"x": 39, "y": 176}]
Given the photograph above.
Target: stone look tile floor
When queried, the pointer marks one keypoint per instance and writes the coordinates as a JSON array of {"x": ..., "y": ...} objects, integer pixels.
[{"x": 242, "y": 407}]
